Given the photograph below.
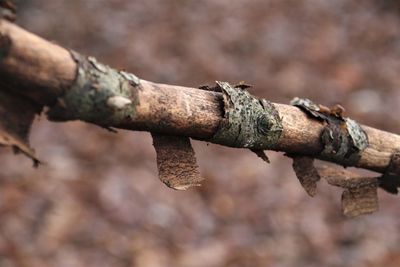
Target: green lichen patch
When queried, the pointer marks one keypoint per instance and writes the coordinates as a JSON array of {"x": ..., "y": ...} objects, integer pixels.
[
  {"x": 358, "y": 136},
  {"x": 307, "y": 105},
  {"x": 343, "y": 140},
  {"x": 99, "y": 95},
  {"x": 248, "y": 122}
]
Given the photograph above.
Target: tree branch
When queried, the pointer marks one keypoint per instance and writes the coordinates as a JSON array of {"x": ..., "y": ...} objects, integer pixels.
[
  {"x": 35, "y": 73},
  {"x": 42, "y": 71}
]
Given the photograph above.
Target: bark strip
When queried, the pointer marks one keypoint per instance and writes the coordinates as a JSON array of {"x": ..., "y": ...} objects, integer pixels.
[
  {"x": 359, "y": 196},
  {"x": 16, "y": 117},
  {"x": 176, "y": 162},
  {"x": 306, "y": 173}
]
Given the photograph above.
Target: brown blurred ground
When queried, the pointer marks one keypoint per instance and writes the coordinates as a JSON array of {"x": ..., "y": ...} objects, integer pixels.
[{"x": 98, "y": 202}]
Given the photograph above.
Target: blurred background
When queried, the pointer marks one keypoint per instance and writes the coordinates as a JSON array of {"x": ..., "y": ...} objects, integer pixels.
[{"x": 98, "y": 201}]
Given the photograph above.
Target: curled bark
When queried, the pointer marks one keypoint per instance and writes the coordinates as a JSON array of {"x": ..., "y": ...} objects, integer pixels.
[
  {"x": 77, "y": 87},
  {"x": 42, "y": 71}
]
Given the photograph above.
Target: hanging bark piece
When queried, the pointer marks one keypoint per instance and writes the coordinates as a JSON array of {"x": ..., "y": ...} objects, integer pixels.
[
  {"x": 358, "y": 136},
  {"x": 343, "y": 138},
  {"x": 300, "y": 134},
  {"x": 306, "y": 173},
  {"x": 360, "y": 200},
  {"x": 17, "y": 114},
  {"x": 360, "y": 195},
  {"x": 390, "y": 180},
  {"x": 176, "y": 162}
]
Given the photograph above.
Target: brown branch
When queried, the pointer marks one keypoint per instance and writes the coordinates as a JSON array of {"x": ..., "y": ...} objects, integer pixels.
[{"x": 42, "y": 71}]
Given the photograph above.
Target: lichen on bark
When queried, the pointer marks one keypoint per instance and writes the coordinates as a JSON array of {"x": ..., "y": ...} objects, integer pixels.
[
  {"x": 99, "y": 95},
  {"x": 248, "y": 122},
  {"x": 343, "y": 139}
]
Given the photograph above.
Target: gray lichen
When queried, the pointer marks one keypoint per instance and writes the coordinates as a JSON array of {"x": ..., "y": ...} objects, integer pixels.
[
  {"x": 343, "y": 139},
  {"x": 99, "y": 95},
  {"x": 357, "y": 134},
  {"x": 306, "y": 104},
  {"x": 248, "y": 122}
]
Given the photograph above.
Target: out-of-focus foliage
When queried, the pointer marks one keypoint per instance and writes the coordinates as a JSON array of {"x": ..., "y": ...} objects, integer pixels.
[{"x": 98, "y": 202}]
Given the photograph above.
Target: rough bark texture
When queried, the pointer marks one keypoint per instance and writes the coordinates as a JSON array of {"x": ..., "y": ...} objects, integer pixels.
[
  {"x": 42, "y": 71},
  {"x": 98, "y": 201}
]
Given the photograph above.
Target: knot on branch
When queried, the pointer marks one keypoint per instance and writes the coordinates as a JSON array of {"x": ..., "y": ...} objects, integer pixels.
[
  {"x": 99, "y": 95},
  {"x": 248, "y": 122},
  {"x": 343, "y": 138}
]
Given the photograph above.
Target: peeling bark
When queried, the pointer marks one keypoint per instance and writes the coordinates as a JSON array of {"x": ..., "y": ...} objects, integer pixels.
[
  {"x": 17, "y": 115},
  {"x": 43, "y": 71},
  {"x": 359, "y": 196},
  {"x": 75, "y": 87},
  {"x": 176, "y": 162},
  {"x": 306, "y": 173}
]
